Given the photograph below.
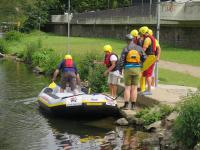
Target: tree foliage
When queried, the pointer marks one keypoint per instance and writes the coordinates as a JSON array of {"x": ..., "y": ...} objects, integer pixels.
[{"x": 32, "y": 13}]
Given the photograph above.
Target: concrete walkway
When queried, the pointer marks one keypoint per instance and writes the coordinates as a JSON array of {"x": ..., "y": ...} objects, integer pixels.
[
  {"x": 183, "y": 68},
  {"x": 163, "y": 94}
]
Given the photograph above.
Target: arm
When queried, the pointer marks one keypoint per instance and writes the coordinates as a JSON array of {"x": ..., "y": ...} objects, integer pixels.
[
  {"x": 55, "y": 74},
  {"x": 110, "y": 68},
  {"x": 122, "y": 60},
  {"x": 98, "y": 62},
  {"x": 78, "y": 79},
  {"x": 57, "y": 71},
  {"x": 158, "y": 53}
]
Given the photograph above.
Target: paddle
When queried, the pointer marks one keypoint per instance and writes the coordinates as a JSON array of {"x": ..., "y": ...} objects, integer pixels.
[{"x": 52, "y": 85}]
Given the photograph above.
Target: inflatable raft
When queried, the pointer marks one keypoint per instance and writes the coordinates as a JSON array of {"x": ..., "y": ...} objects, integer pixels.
[{"x": 71, "y": 104}]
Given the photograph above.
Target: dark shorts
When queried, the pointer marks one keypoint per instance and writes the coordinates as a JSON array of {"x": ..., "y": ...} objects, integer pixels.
[
  {"x": 68, "y": 77},
  {"x": 148, "y": 73}
]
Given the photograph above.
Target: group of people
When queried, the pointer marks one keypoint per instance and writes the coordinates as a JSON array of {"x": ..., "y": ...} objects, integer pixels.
[{"x": 140, "y": 47}]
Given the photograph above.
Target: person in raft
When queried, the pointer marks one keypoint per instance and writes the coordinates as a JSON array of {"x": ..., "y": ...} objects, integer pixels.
[{"x": 69, "y": 73}]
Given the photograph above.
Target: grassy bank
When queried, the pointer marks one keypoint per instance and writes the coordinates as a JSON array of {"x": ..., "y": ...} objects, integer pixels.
[
  {"x": 52, "y": 49},
  {"x": 79, "y": 46},
  {"x": 173, "y": 77},
  {"x": 181, "y": 55}
]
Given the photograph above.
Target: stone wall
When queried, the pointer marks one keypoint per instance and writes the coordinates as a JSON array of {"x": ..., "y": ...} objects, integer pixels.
[{"x": 180, "y": 36}]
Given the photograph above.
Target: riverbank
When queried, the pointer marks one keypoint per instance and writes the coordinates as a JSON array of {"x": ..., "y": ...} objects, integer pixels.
[
  {"x": 51, "y": 46},
  {"x": 36, "y": 54}
]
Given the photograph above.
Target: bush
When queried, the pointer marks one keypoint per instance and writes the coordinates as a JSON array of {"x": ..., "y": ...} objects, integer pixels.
[
  {"x": 13, "y": 36},
  {"x": 187, "y": 126},
  {"x": 150, "y": 115},
  {"x": 3, "y": 47},
  {"x": 97, "y": 82},
  {"x": 86, "y": 63},
  {"x": 51, "y": 63},
  {"x": 31, "y": 49}
]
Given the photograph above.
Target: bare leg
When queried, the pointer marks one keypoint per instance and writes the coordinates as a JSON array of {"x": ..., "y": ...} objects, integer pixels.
[
  {"x": 110, "y": 89},
  {"x": 149, "y": 83},
  {"x": 61, "y": 90},
  {"x": 114, "y": 91},
  {"x": 127, "y": 93},
  {"x": 133, "y": 93}
]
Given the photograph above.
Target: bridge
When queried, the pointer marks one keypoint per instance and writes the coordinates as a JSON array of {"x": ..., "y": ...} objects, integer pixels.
[{"x": 180, "y": 22}]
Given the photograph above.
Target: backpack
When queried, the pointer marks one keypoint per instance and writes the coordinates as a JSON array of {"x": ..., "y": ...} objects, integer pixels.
[{"x": 133, "y": 56}]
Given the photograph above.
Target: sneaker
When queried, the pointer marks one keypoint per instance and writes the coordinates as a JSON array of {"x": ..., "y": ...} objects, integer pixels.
[
  {"x": 147, "y": 93},
  {"x": 133, "y": 107},
  {"x": 125, "y": 107}
]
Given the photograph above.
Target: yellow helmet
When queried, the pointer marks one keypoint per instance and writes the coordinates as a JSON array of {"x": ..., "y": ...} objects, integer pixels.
[
  {"x": 107, "y": 48},
  {"x": 150, "y": 32},
  {"x": 143, "y": 29},
  {"x": 68, "y": 57},
  {"x": 134, "y": 33}
]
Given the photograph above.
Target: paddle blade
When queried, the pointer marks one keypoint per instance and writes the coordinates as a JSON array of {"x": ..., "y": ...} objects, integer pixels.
[
  {"x": 52, "y": 85},
  {"x": 148, "y": 62}
]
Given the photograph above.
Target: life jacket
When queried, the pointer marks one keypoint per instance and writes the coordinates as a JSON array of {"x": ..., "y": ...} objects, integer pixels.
[
  {"x": 135, "y": 40},
  {"x": 68, "y": 63},
  {"x": 151, "y": 50},
  {"x": 107, "y": 61},
  {"x": 133, "y": 56}
]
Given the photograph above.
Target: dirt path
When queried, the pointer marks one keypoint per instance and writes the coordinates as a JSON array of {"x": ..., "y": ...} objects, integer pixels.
[{"x": 183, "y": 68}]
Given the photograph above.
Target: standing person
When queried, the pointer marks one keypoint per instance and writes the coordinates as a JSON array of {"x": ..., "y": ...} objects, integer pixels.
[
  {"x": 149, "y": 47},
  {"x": 158, "y": 53},
  {"x": 135, "y": 35},
  {"x": 131, "y": 60},
  {"x": 69, "y": 73},
  {"x": 111, "y": 63}
]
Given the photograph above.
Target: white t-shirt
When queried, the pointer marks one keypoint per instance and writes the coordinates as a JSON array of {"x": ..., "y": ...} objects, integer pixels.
[{"x": 113, "y": 58}]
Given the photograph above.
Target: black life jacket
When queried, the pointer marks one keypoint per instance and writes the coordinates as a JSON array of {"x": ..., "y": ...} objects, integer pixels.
[{"x": 151, "y": 50}]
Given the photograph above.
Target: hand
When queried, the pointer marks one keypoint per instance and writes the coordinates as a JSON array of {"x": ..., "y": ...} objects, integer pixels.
[
  {"x": 53, "y": 79},
  {"x": 94, "y": 62},
  {"x": 105, "y": 73}
]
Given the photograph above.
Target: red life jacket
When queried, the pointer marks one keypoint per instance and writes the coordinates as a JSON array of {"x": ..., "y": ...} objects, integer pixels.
[
  {"x": 68, "y": 63},
  {"x": 107, "y": 61},
  {"x": 135, "y": 40}
]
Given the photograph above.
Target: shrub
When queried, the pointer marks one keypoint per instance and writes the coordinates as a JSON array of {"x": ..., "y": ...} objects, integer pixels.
[
  {"x": 97, "y": 82},
  {"x": 187, "y": 126},
  {"x": 86, "y": 63},
  {"x": 3, "y": 47},
  {"x": 150, "y": 115},
  {"x": 13, "y": 36},
  {"x": 31, "y": 49},
  {"x": 51, "y": 63}
]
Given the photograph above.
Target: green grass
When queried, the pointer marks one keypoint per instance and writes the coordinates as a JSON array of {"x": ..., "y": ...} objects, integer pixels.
[
  {"x": 176, "y": 78},
  {"x": 80, "y": 45},
  {"x": 180, "y": 55}
]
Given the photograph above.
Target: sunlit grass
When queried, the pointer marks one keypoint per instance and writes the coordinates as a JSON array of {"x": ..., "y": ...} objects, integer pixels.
[{"x": 176, "y": 78}]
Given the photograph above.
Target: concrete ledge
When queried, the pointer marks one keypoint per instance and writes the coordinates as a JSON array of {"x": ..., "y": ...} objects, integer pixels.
[{"x": 163, "y": 94}]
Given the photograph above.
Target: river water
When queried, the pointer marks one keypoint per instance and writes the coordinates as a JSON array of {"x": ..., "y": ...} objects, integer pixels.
[{"x": 24, "y": 126}]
